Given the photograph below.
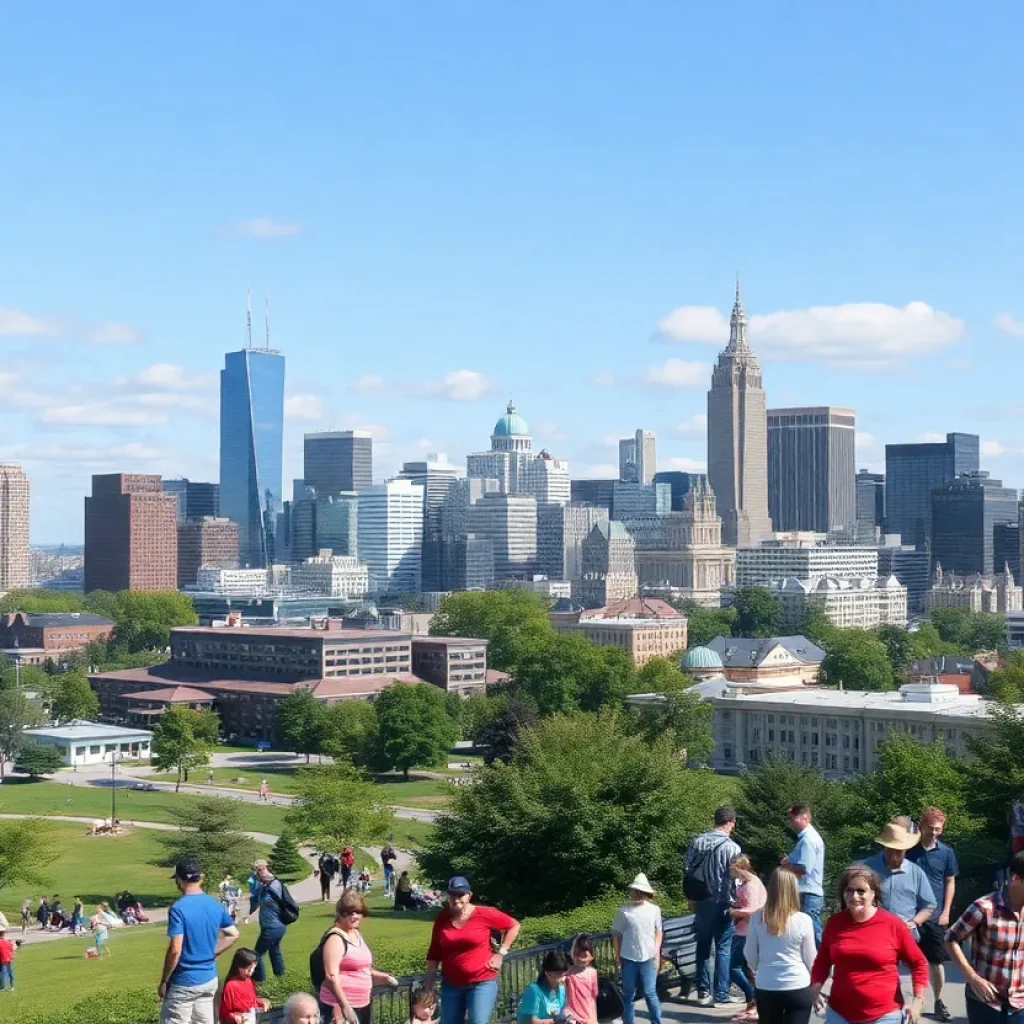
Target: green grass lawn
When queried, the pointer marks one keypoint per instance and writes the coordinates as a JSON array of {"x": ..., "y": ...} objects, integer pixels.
[
  {"x": 280, "y": 780},
  {"x": 428, "y": 793},
  {"x": 410, "y": 835},
  {"x": 43, "y": 798},
  {"x": 53, "y": 974}
]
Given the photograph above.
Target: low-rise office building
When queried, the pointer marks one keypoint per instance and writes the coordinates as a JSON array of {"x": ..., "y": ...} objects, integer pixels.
[
  {"x": 80, "y": 742},
  {"x": 455, "y": 664}
]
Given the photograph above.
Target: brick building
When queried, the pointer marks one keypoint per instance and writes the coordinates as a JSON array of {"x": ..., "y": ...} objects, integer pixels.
[
  {"x": 205, "y": 542},
  {"x": 131, "y": 540},
  {"x": 52, "y": 632},
  {"x": 455, "y": 664}
]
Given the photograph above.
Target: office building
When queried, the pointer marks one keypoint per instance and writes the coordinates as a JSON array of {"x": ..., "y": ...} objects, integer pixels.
[
  {"x": 468, "y": 563},
  {"x": 999, "y": 593},
  {"x": 233, "y": 582},
  {"x": 251, "y": 432},
  {"x": 870, "y": 499},
  {"x": 805, "y": 560},
  {"x": 964, "y": 515},
  {"x": 509, "y": 522},
  {"x": 50, "y": 634},
  {"x": 390, "y": 535},
  {"x": 436, "y": 475},
  {"x": 737, "y": 438},
  {"x": 131, "y": 534},
  {"x": 338, "y": 461},
  {"x": 609, "y": 568},
  {"x": 1006, "y": 547},
  {"x": 205, "y": 542},
  {"x": 561, "y": 531},
  {"x": 642, "y": 627},
  {"x": 15, "y": 562},
  {"x": 911, "y": 567},
  {"x": 89, "y": 743},
  {"x": 337, "y": 523},
  {"x": 336, "y": 575},
  {"x": 546, "y": 479},
  {"x": 635, "y": 501},
  {"x": 811, "y": 469},
  {"x": 179, "y": 488},
  {"x": 679, "y": 484},
  {"x": 202, "y": 499},
  {"x": 638, "y": 459},
  {"x": 593, "y": 492},
  {"x": 913, "y": 472},
  {"x": 455, "y": 664},
  {"x": 862, "y": 602}
]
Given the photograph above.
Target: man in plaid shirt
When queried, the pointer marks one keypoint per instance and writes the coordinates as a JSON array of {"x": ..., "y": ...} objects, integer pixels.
[{"x": 995, "y": 973}]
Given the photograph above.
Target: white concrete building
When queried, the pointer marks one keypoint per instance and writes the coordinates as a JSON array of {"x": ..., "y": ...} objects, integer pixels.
[
  {"x": 390, "y": 535},
  {"x": 561, "y": 531},
  {"x": 545, "y": 479},
  {"x": 859, "y": 601},
  {"x": 81, "y": 742},
  {"x": 15, "y": 561},
  {"x": 977, "y": 593},
  {"x": 509, "y": 522},
  {"x": 839, "y": 731},
  {"x": 795, "y": 557},
  {"x": 337, "y": 576},
  {"x": 555, "y": 589},
  {"x": 233, "y": 582}
]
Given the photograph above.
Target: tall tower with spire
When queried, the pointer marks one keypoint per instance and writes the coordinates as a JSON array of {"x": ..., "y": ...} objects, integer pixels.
[{"x": 738, "y": 438}]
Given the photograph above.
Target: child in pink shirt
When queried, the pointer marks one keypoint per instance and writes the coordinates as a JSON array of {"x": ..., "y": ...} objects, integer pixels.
[
  {"x": 581, "y": 982},
  {"x": 750, "y": 897}
]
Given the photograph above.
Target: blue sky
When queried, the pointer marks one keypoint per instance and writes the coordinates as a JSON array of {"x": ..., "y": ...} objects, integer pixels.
[{"x": 454, "y": 202}]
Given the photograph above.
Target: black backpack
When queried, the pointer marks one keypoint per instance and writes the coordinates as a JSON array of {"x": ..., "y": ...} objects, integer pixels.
[
  {"x": 317, "y": 973},
  {"x": 695, "y": 887},
  {"x": 287, "y": 908},
  {"x": 609, "y": 1000}
]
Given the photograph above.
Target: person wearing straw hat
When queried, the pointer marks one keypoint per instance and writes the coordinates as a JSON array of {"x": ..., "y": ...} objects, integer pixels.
[
  {"x": 636, "y": 936},
  {"x": 906, "y": 891}
]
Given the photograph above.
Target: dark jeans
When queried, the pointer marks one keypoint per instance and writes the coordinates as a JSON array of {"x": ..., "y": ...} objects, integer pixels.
[
  {"x": 327, "y": 1013},
  {"x": 737, "y": 967},
  {"x": 713, "y": 923},
  {"x": 269, "y": 941},
  {"x": 984, "y": 1013},
  {"x": 786, "y": 1006},
  {"x": 810, "y": 904}
]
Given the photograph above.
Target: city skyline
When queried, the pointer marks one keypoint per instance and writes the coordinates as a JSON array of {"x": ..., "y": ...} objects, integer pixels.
[{"x": 553, "y": 236}]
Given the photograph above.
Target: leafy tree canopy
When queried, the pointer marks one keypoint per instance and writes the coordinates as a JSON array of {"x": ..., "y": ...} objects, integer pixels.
[
  {"x": 183, "y": 739},
  {"x": 499, "y": 735},
  {"x": 414, "y": 727},
  {"x": 26, "y": 848},
  {"x": 302, "y": 722},
  {"x": 684, "y": 718},
  {"x": 857, "y": 660},
  {"x": 350, "y": 731},
  {"x": 37, "y": 759},
  {"x": 972, "y": 631},
  {"x": 285, "y": 860},
  {"x": 704, "y": 624},
  {"x": 71, "y": 696},
  {"x": 995, "y": 773},
  {"x": 758, "y": 612},
  {"x": 17, "y": 713}
]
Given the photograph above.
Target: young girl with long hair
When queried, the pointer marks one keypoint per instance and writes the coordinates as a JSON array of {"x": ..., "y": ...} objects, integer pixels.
[{"x": 238, "y": 999}]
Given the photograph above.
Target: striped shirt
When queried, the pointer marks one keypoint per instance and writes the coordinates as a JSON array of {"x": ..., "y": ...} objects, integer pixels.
[{"x": 997, "y": 931}]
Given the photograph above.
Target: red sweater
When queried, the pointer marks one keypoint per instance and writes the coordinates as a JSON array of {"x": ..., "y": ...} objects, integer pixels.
[
  {"x": 239, "y": 996},
  {"x": 866, "y": 958}
]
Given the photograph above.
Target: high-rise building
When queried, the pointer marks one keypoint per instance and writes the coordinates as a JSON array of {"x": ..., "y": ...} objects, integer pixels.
[
  {"x": 131, "y": 539},
  {"x": 774, "y": 560},
  {"x": 638, "y": 458},
  {"x": 509, "y": 522},
  {"x": 594, "y": 492},
  {"x": 202, "y": 499},
  {"x": 680, "y": 484},
  {"x": 205, "y": 541},
  {"x": 1006, "y": 548},
  {"x": 870, "y": 499},
  {"x": 337, "y": 517},
  {"x": 468, "y": 563},
  {"x": 179, "y": 488},
  {"x": 251, "y": 434},
  {"x": 633, "y": 501},
  {"x": 561, "y": 531},
  {"x": 964, "y": 515},
  {"x": 609, "y": 569},
  {"x": 437, "y": 476},
  {"x": 15, "y": 563},
  {"x": 338, "y": 461},
  {"x": 910, "y": 567},
  {"x": 811, "y": 469},
  {"x": 737, "y": 438},
  {"x": 913, "y": 472},
  {"x": 390, "y": 535}
]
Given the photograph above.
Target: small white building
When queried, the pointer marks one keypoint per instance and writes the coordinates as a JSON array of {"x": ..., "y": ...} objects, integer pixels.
[{"x": 81, "y": 742}]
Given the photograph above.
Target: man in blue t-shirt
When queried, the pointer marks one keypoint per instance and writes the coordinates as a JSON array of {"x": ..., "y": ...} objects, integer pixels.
[
  {"x": 199, "y": 929},
  {"x": 807, "y": 862}
]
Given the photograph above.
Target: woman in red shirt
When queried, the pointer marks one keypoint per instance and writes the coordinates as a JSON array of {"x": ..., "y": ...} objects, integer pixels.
[
  {"x": 864, "y": 946},
  {"x": 461, "y": 944}
]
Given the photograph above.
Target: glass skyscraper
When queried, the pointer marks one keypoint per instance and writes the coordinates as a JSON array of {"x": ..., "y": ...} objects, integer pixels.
[{"x": 251, "y": 433}]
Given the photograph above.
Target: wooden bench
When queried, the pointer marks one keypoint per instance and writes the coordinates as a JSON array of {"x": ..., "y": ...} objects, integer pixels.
[{"x": 678, "y": 948}]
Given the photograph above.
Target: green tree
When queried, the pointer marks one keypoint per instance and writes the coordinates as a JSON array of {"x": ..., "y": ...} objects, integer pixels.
[
  {"x": 144, "y": 618},
  {"x": 586, "y": 792},
  {"x": 72, "y": 697},
  {"x": 301, "y": 722},
  {"x": 857, "y": 660},
  {"x": 477, "y": 710},
  {"x": 926, "y": 643},
  {"x": 509, "y": 619},
  {"x": 41, "y": 600},
  {"x": 899, "y": 648},
  {"x": 971, "y": 631},
  {"x": 183, "y": 739},
  {"x": 817, "y": 628},
  {"x": 684, "y": 718},
  {"x": 210, "y": 830},
  {"x": 335, "y": 806},
  {"x": 286, "y": 861},
  {"x": 26, "y": 848},
  {"x": 37, "y": 759},
  {"x": 758, "y": 612},
  {"x": 704, "y": 624},
  {"x": 499, "y": 736},
  {"x": 350, "y": 731},
  {"x": 414, "y": 727},
  {"x": 1007, "y": 683},
  {"x": 995, "y": 773},
  {"x": 17, "y": 713}
]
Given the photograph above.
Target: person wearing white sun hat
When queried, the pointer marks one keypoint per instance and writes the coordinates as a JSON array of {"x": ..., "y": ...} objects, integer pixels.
[{"x": 636, "y": 936}]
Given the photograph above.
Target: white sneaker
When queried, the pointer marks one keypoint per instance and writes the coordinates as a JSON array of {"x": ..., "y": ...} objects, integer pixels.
[{"x": 705, "y": 999}]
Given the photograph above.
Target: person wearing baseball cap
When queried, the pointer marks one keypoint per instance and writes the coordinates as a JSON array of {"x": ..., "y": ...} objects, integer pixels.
[
  {"x": 461, "y": 944},
  {"x": 906, "y": 891},
  {"x": 199, "y": 929}
]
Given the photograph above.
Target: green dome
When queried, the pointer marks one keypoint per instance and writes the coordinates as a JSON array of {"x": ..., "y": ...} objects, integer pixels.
[
  {"x": 701, "y": 658},
  {"x": 511, "y": 424}
]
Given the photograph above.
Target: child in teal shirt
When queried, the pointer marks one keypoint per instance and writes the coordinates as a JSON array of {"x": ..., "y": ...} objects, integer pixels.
[{"x": 543, "y": 1001}]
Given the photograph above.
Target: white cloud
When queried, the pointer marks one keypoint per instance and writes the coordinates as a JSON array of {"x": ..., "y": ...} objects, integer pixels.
[
  {"x": 100, "y": 414},
  {"x": 695, "y": 426},
  {"x": 20, "y": 324},
  {"x": 304, "y": 407},
  {"x": 170, "y": 400},
  {"x": 868, "y": 335},
  {"x": 992, "y": 449},
  {"x": 457, "y": 386},
  {"x": 865, "y": 443},
  {"x": 551, "y": 432},
  {"x": 676, "y": 373},
  {"x": 603, "y": 380},
  {"x": 683, "y": 465},
  {"x": 1009, "y": 324},
  {"x": 112, "y": 333},
  {"x": 598, "y": 471},
  {"x": 931, "y": 437},
  {"x": 265, "y": 227},
  {"x": 169, "y": 377}
]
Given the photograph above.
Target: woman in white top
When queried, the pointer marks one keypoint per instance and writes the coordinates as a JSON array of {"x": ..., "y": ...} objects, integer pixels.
[
  {"x": 636, "y": 936},
  {"x": 780, "y": 951}
]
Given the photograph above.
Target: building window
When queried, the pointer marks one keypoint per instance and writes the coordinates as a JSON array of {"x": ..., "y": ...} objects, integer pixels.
[{"x": 95, "y": 749}]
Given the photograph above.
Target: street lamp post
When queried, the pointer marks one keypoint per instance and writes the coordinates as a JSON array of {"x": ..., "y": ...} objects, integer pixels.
[{"x": 113, "y": 787}]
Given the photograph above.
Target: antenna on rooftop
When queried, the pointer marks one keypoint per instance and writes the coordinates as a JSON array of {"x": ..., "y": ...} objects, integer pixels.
[{"x": 266, "y": 299}]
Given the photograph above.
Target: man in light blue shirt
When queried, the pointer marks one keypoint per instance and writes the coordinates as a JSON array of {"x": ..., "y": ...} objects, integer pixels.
[
  {"x": 906, "y": 891},
  {"x": 807, "y": 862}
]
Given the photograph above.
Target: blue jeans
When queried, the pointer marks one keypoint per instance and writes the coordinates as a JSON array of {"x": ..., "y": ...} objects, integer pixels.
[
  {"x": 737, "y": 963},
  {"x": 475, "y": 1000},
  {"x": 811, "y": 906},
  {"x": 712, "y": 922},
  {"x": 983, "y": 1013},
  {"x": 6, "y": 975},
  {"x": 640, "y": 974},
  {"x": 269, "y": 941}
]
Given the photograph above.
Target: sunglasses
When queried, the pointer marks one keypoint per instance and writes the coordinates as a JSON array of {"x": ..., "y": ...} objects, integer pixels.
[{"x": 857, "y": 892}]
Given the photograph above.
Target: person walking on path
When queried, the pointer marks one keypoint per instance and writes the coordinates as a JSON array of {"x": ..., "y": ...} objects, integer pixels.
[
  {"x": 636, "y": 937},
  {"x": 708, "y": 883},
  {"x": 807, "y": 862},
  {"x": 349, "y": 974},
  {"x": 939, "y": 863},
  {"x": 77, "y": 915},
  {"x": 780, "y": 951},
  {"x": 460, "y": 943},
  {"x": 268, "y": 896},
  {"x": 906, "y": 891},
  {"x": 387, "y": 859},
  {"x": 43, "y": 913},
  {"x": 348, "y": 861},
  {"x": 863, "y": 946},
  {"x": 995, "y": 970},
  {"x": 327, "y": 867},
  {"x": 750, "y": 898},
  {"x": 199, "y": 930},
  {"x": 26, "y": 913},
  {"x": 230, "y": 894},
  {"x": 100, "y": 931}
]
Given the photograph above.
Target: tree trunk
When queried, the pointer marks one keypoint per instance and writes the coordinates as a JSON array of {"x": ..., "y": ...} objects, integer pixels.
[
  {"x": 405, "y": 774},
  {"x": 177, "y": 785}
]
